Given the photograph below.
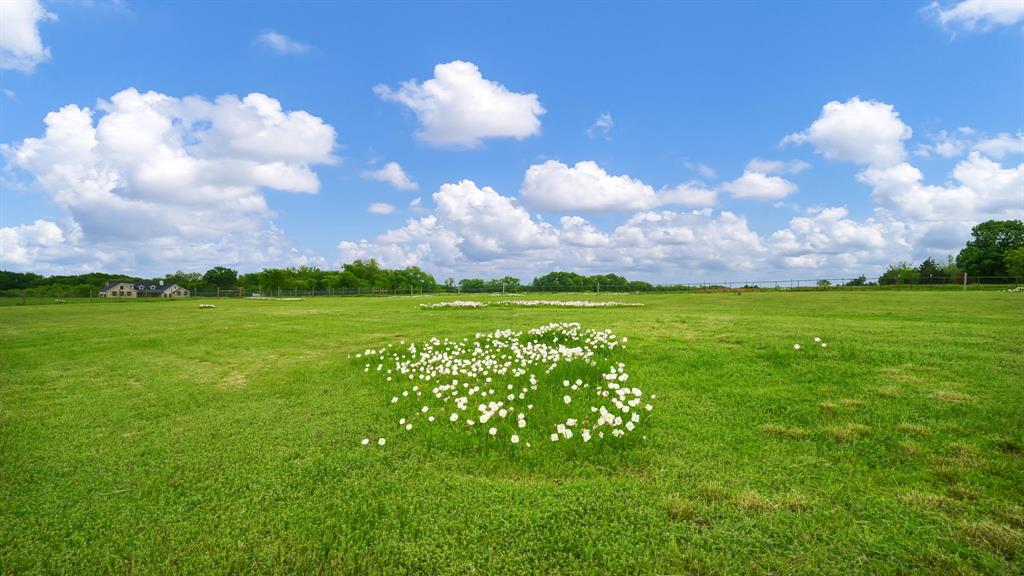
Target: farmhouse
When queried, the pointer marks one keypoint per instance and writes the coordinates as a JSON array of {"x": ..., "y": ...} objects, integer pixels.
[{"x": 150, "y": 289}]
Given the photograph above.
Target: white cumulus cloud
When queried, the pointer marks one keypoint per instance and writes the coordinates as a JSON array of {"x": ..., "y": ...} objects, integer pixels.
[
  {"x": 587, "y": 187},
  {"x": 759, "y": 186},
  {"x": 380, "y": 208},
  {"x": 21, "y": 46},
  {"x": 281, "y": 44},
  {"x": 1001, "y": 145},
  {"x": 860, "y": 131},
  {"x": 602, "y": 127},
  {"x": 393, "y": 174},
  {"x": 980, "y": 15},
  {"x": 147, "y": 178},
  {"x": 460, "y": 108},
  {"x": 777, "y": 166}
]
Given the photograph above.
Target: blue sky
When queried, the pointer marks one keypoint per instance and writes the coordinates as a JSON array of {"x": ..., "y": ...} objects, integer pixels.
[{"x": 669, "y": 142}]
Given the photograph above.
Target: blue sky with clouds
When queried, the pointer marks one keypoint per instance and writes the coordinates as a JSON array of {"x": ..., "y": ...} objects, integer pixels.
[{"x": 669, "y": 142}]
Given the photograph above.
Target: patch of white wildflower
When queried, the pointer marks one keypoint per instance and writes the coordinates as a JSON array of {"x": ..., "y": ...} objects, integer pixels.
[
  {"x": 533, "y": 304},
  {"x": 455, "y": 304},
  {"x": 818, "y": 343},
  {"x": 556, "y": 382}
]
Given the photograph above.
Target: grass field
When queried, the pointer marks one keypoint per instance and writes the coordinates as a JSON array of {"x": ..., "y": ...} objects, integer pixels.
[{"x": 155, "y": 437}]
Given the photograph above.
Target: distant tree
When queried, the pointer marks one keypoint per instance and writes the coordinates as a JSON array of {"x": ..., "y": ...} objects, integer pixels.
[
  {"x": 190, "y": 280},
  {"x": 221, "y": 277},
  {"x": 901, "y": 273},
  {"x": 858, "y": 281},
  {"x": 984, "y": 253},
  {"x": 1013, "y": 259},
  {"x": 931, "y": 272},
  {"x": 824, "y": 283},
  {"x": 449, "y": 283},
  {"x": 473, "y": 285},
  {"x": 560, "y": 281},
  {"x": 639, "y": 286}
]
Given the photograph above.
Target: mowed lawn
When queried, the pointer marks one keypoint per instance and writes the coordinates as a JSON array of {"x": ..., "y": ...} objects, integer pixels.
[{"x": 156, "y": 437}]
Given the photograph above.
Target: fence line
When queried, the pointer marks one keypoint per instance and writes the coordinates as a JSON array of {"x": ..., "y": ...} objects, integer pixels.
[{"x": 793, "y": 285}]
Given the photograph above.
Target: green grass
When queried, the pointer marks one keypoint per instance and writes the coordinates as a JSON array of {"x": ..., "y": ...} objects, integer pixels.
[{"x": 155, "y": 437}]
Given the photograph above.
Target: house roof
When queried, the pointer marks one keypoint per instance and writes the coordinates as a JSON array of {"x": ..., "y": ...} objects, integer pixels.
[{"x": 152, "y": 286}]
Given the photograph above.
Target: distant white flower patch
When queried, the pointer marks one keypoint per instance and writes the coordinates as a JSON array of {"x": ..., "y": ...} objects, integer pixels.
[
  {"x": 455, "y": 304},
  {"x": 817, "y": 342},
  {"x": 567, "y": 303},
  {"x": 207, "y": 306},
  {"x": 532, "y": 304},
  {"x": 550, "y": 377}
]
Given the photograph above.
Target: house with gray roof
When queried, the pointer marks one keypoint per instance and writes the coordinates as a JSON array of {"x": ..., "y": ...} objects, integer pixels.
[{"x": 144, "y": 289}]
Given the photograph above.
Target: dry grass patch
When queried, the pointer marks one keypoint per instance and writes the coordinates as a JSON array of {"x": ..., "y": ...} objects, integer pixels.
[
  {"x": 964, "y": 493},
  {"x": 1006, "y": 445},
  {"x": 948, "y": 470},
  {"x": 888, "y": 392},
  {"x": 794, "y": 432},
  {"x": 847, "y": 431},
  {"x": 851, "y": 404},
  {"x": 680, "y": 509},
  {"x": 713, "y": 493},
  {"x": 1003, "y": 540},
  {"x": 906, "y": 373},
  {"x": 828, "y": 407},
  {"x": 950, "y": 396},
  {"x": 1012, "y": 514},
  {"x": 233, "y": 381},
  {"x": 930, "y": 501},
  {"x": 913, "y": 429},
  {"x": 909, "y": 450},
  {"x": 754, "y": 501}
]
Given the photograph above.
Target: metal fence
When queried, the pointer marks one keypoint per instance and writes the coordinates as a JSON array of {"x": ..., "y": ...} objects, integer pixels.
[{"x": 962, "y": 283}]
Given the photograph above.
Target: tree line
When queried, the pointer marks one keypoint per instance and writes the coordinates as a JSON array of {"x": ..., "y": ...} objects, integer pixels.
[{"x": 996, "y": 249}]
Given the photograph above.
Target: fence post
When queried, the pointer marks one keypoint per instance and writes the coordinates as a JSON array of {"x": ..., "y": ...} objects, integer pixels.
[{"x": 965, "y": 281}]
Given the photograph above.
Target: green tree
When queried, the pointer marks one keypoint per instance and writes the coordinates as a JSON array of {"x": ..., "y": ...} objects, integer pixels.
[
  {"x": 902, "y": 273},
  {"x": 1013, "y": 259},
  {"x": 984, "y": 253},
  {"x": 221, "y": 277},
  {"x": 472, "y": 285}
]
